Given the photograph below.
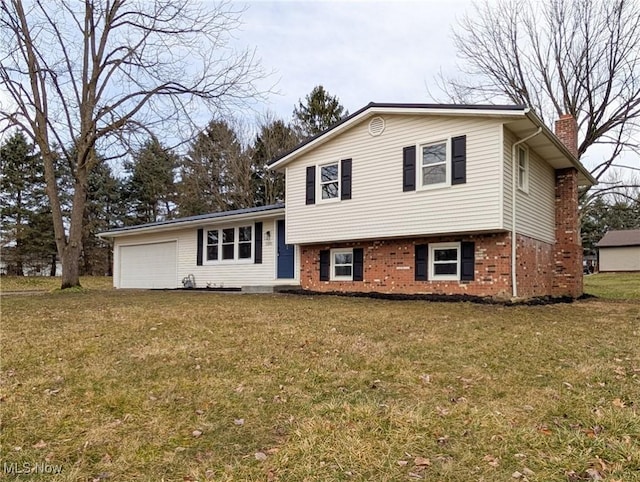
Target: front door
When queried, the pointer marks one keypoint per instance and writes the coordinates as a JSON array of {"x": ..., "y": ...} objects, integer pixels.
[{"x": 285, "y": 254}]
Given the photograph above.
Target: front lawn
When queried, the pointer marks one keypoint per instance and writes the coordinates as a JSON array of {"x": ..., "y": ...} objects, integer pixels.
[
  {"x": 181, "y": 386},
  {"x": 50, "y": 283}
]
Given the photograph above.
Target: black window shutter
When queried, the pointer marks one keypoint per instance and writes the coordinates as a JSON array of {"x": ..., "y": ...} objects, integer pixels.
[
  {"x": 358, "y": 264},
  {"x": 409, "y": 168},
  {"x": 421, "y": 262},
  {"x": 345, "y": 179},
  {"x": 200, "y": 247},
  {"x": 459, "y": 160},
  {"x": 311, "y": 185},
  {"x": 467, "y": 261},
  {"x": 257, "y": 255},
  {"x": 325, "y": 265}
]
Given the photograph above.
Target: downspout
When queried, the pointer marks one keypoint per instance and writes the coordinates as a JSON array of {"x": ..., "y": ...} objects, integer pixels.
[{"x": 514, "y": 189}]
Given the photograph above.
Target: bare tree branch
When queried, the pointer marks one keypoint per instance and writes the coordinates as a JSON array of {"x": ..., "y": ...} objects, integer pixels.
[
  {"x": 558, "y": 56},
  {"x": 94, "y": 74}
]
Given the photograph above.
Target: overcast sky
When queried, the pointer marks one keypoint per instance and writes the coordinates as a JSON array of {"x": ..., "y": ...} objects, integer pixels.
[{"x": 387, "y": 51}]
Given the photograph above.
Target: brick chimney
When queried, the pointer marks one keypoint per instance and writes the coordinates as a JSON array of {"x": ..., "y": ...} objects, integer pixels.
[
  {"x": 567, "y": 132},
  {"x": 568, "y": 247}
]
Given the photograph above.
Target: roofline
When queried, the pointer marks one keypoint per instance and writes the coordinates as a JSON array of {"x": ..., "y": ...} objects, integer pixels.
[
  {"x": 200, "y": 220},
  {"x": 598, "y": 245},
  {"x": 515, "y": 110},
  {"x": 398, "y": 108}
]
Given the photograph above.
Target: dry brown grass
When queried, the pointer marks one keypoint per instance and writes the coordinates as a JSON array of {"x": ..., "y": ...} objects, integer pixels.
[{"x": 114, "y": 384}]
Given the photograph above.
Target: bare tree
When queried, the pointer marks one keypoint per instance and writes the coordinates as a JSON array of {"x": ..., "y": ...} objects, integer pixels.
[
  {"x": 559, "y": 56},
  {"x": 88, "y": 76}
]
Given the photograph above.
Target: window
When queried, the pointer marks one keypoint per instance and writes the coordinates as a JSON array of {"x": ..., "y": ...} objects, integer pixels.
[
  {"x": 229, "y": 244},
  {"x": 444, "y": 261},
  {"x": 523, "y": 169},
  {"x": 329, "y": 184},
  {"x": 434, "y": 164},
  {"x": 341, "y": 264},
  {"x": 244, "y": 242},
  {"x": 212, "y": 245}
]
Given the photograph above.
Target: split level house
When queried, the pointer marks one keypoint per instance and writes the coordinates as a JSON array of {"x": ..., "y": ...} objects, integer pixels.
[{"x": 395, "y": 198}]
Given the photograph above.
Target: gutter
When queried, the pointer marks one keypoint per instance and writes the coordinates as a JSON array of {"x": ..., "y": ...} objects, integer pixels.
[{"x": 514, "y": 191}]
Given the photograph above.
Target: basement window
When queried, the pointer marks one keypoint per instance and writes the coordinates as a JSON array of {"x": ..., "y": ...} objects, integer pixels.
[{"x": 444, "y": 261}]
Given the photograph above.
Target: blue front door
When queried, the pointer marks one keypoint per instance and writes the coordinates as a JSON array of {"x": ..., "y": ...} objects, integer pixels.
[{"x": 285, "y": 254}]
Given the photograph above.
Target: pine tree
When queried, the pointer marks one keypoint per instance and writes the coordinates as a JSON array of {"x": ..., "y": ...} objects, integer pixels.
[
  {"x": 319, "y": 112},
  {"x": 150, "y": 187},
  {"x": 274, "y": 139},
  {"x": 216, "y": 174},
  {"x": 27, "y": 232}
]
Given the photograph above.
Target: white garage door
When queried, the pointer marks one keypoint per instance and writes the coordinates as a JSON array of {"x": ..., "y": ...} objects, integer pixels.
[{"x": 149, "y": 265}]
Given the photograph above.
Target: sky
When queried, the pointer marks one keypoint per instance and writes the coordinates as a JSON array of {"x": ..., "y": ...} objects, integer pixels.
[
  {"x": 360, "y": 51},
  {"x": 386, "y": 51}
]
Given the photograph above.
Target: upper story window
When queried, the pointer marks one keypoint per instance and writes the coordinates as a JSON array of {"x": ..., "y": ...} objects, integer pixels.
[
  {"x": 229, "y": 244},
  {"x": 329, "y": 181},
  {"x": 523, "y": 169},
  {"x": 433, "y": 164},
  {"x": 444, "y": 261}
]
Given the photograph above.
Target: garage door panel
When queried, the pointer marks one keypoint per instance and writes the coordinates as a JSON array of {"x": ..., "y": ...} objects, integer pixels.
[{"x": 152, "y": 265}]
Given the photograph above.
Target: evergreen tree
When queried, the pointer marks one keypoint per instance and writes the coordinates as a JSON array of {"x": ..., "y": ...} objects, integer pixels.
[
  {"x": 104, "y": 210},
  {"x": 150, "y": 187},
  {"x": 605, "y": 214},
  {"x": 27, "y": 233},
  {"x": 216, "y": 174},
  {"x": 274, "y": 139},
  {"x": 319, "y": 112}
]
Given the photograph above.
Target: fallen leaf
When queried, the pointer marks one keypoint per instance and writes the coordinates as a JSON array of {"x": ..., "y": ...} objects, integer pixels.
[
  {"x": 413, "y": 475},
  {"x": 545, "y": 430},
  {"x": 106, "y": 459},
  {"x": 196, "y": 433},
  {"x": 239, "y": 421},
  {"x": 516, "y": 475},
  {"x": 40, "y": 445},
  {"x": 273, "y": 450},
  {"x": 491, "y": 460},
  {"x": 618, "y": 403},
  {"x": 528, "y": 472},
  {"x": 426, "y": 379},
  {"x": 260, "y": 456},
  {"x": 402, "y": 463},
  {"x": 422, "y": 462},
  {"x": 568, "y": 385}
]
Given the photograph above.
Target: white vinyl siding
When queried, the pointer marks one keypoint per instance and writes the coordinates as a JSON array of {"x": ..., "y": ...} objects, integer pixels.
[
  {"x": 619, "y": 259},
  {"x": 379, "y": 208},
  {"x": 535, "y": 216},
  {"x": 221, "y": 274}
]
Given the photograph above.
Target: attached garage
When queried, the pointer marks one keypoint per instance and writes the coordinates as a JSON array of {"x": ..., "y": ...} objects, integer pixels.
[
  {"x": 243, "y": 249},
  {"x": 151, "y": 265}
]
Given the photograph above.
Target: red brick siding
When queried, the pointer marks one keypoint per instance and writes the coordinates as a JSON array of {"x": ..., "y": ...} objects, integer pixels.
[
  {"x": 568, "y": 248},
  {"x": 389, "y": 267}
]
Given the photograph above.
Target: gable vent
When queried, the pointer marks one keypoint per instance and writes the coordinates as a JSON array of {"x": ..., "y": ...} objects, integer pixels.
[{"x": 376, "y": 126}]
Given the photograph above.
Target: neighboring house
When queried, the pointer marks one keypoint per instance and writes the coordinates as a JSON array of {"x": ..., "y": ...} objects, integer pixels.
[
  {"x": 619, "y": 251},
  {"x": 400, "y": 198}
]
